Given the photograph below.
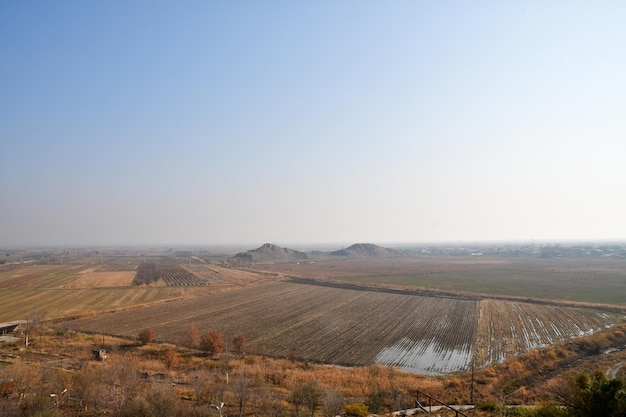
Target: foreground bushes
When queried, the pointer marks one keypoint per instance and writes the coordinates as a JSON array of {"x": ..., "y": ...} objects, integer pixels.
[{"x": 356, "y": 410}]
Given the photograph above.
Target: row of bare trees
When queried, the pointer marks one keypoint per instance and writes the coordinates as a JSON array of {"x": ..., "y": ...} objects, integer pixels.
[{"x": 211, "y": 342}]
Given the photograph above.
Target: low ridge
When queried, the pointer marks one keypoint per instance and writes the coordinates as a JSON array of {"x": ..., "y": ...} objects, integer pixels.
[
  {"x": 366, "y": 250},
  {"x": 270, "y": 253}
]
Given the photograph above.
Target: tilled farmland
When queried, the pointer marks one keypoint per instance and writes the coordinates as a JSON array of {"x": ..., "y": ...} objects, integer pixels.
[
  {"x": 172, "y": 275},
  {"x": 507, "y": 327},
  {"x": 344, "y": 326}
]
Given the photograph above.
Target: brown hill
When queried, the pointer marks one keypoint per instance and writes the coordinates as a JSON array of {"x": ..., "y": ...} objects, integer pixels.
[
  {"x": 270, "y": 253},
  {"x": 366, "y": 250}
]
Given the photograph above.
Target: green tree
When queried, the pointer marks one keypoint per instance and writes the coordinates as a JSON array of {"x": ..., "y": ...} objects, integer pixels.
[
  {"x": 595, "y": 395},
  {"x": 356, "y": 410}
]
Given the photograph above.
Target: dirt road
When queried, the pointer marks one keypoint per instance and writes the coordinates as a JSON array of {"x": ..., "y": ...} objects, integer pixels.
[{"x": 613, "y": 370}]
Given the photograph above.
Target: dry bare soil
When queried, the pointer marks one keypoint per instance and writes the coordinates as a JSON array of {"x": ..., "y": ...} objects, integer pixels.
[
  {"x": 422, "y": 314},
  {"x": 322, "y": 323},
  {"x": 580, "y": 280}
]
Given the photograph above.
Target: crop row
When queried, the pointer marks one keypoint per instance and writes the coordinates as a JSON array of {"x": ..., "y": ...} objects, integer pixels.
[
  {"x": 177, "y": 276},
  {"x": 171, "y": 275},
  {"x": 147, "y": 273},
  {"x": 37, "y": 276},
  {"x": 356, "y": 327},
  {"x": 507, "y": 327}
]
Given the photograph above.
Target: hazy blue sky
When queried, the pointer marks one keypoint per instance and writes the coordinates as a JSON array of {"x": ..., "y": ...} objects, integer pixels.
[{"x": 128, "y": 122}]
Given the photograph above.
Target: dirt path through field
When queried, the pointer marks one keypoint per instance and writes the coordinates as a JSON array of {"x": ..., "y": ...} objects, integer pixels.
[{"x": 613, "y": 370}]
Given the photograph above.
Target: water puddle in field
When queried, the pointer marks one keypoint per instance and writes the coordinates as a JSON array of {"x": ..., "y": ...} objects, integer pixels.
[{"x": 428, "y": 359}]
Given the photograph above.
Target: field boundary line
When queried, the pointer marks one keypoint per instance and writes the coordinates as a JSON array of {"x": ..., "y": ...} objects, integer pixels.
[{"x": 356, "y": 287}]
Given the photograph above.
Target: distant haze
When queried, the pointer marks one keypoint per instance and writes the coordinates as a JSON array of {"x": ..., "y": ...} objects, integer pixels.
[{"x": 251, "y": 122}]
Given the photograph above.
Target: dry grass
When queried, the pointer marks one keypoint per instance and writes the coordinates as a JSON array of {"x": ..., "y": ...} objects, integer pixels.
[
  {"x": 91, "y": 279},
  {"x": 60, "y": 303},
  {"x": 70, "y": 351},
  {"x": 277, "y": 375}
]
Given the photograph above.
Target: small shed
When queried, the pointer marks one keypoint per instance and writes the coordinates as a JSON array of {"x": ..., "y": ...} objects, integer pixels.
[
  {"x": 11, "y": 326},
  {"x": 99, "y": 354}
]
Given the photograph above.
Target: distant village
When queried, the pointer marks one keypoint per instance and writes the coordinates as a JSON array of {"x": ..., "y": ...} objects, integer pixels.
[{"x": 544, "y": 250}]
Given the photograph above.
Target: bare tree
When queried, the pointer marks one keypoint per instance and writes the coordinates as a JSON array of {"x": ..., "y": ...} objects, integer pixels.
[
  {"x": 134, "y": 407},
  {"x": 312, "y": 396},
  {"x": 333, "y": 403},
  {"x": 201, "y": 383},
  {"x": 400, "y": 398},
  {"x": 33, "y": 322},
  {"x": 85, "y": 387},
  {"x": 125, "y": 385},
  {"x": 293, "y": 353},
  {"x": 266, "y": 403},
  {"x": 170, "y": 357},
  {"x": 212, "y": 342},
  {"x": 147, "y": 335},
  {"x": 25, "y": 377},
  {"x": 241, "y": 390},
  {"x": 297, "y": 397},
  {"x": 191, "y": 339},
  {"x": 239, "y": 342},
  {"x": 162, "y": 400}
]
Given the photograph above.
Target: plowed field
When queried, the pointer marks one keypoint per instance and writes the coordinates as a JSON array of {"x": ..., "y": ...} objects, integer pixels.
[
  {"x": 69, "y": 302},
  {"x": 356, "y": 327},
  {"x": 507, "y": 328},
  {"x": 92, "y": 279}
]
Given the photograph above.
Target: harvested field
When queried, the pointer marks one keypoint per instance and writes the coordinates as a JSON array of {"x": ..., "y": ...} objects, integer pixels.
[
  {"x": 596, "y": 281},
  {"x": 37, "y": 276},
  {"x": 389, "y": 320},
  {"x": 60, "y": 303},
  {"x": 102, "y": 279},
  {"x": 217, "y": 274},
  {"x": 337, "y": 268},
  {"x": 507, "y": 328},
  {"x": 357, "y": 327}
]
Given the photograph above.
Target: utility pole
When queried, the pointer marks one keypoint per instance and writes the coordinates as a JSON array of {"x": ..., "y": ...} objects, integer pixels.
[
  {"x": 472, "y": 391},
  {"x": 226, "y": 344}
]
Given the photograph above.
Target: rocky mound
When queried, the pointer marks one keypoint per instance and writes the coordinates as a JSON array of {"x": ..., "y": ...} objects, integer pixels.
[
  {"x": 366, "y": 250},
  {"x": 270, "y": 253}
]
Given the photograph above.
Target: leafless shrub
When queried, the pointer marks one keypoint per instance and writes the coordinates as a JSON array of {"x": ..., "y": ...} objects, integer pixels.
[{"x": 147, "y": 335}]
